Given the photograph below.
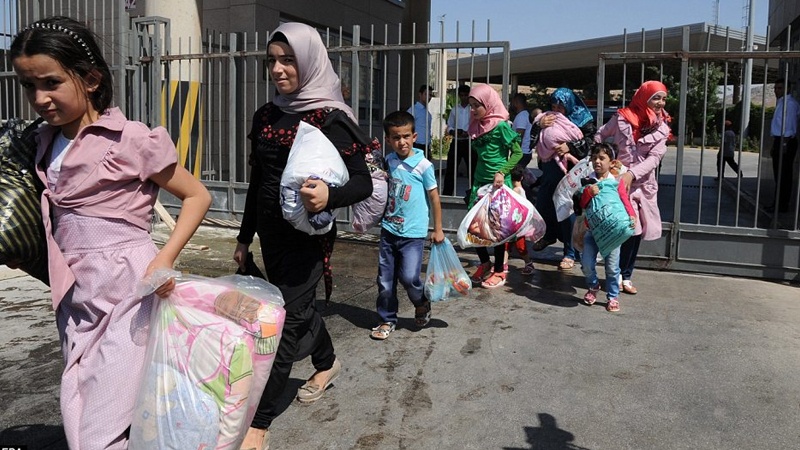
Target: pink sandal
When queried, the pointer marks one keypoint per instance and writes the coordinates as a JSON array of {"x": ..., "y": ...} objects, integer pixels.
[{"x": 494, "y": 281}]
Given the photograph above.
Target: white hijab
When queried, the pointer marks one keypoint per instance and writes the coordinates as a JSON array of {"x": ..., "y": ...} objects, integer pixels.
[{"x": 319, "y": 85}]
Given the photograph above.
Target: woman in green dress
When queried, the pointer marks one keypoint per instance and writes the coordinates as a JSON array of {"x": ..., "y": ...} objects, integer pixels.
[{"x": 498, "y": 148}]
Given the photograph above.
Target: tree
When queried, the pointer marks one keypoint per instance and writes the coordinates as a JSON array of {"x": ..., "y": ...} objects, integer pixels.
[{"x": 701, "y": 98}]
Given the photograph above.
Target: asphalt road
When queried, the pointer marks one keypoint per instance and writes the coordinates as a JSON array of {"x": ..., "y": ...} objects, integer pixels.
[{"x": 691, "y": 362}]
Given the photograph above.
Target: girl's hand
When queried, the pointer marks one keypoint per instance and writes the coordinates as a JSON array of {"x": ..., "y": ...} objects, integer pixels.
[
  {"x": 594, "y": 189},
  {"x": 437, "y": 237},
  {"x": 165, "y": 289},
  {"x": 240, "y": 254},
  {"x": 499, "y": 180},
  {"x": 314, "y": 194}
]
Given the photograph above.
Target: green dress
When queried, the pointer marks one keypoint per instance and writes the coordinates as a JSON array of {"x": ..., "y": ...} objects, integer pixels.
[{"x": 498, "y": 151}]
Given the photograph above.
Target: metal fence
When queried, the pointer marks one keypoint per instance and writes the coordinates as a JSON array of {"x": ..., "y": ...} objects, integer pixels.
[
  {"x": 210, "y": 92},
  {"x": 714, "y": 219},
  {"x": 206, "y": 92}
]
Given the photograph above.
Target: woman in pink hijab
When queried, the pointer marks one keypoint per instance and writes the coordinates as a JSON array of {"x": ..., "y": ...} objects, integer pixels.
[
  {"x": 307, "y": 89},
  {"x": 498, "y": 148},
  {"x": 640, "y": 132}
]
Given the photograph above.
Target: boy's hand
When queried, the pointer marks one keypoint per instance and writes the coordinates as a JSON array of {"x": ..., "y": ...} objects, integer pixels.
[{"x": 437, "y": 237}]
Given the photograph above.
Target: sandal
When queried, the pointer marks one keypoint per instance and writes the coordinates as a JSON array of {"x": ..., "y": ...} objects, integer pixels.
[
  {"x": 542, "y": 244},
  {"x": 566, "y": 264},
  {"x": 494, "y": 281},
  {"x": 528, "y": 269},
  {"x": 422, "y": 314},
  {"x": 382, "y": 331},
  {"x": 482, "y": 272},
  {"x": 612, "y": 305},
  {"x": 591, "y": 295},
  {"x": 628, "y": 288}
]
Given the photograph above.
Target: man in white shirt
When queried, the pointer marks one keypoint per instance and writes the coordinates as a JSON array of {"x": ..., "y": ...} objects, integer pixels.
[
  {"x": 522, "y": 125},
  {"x": 422, "y": 119},
  {"x": 457, "y": 124},
  {"x": 784, "y": 144}
]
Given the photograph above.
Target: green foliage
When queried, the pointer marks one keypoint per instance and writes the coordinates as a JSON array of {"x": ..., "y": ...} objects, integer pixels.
[
  {"x": 538, "y": 98},
  {"x": 701, "y": 97},
  {"x": 439, "y": 147}
]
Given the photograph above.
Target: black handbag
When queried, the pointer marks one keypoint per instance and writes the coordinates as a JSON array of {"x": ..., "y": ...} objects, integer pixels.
[{"x": 22, "y": 238}]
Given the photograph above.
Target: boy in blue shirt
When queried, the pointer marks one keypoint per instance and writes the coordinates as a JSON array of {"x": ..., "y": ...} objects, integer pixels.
[{"x": 412, "y": 193}]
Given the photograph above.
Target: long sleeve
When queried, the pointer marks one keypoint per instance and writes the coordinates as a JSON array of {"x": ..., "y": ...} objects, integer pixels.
[
  {"x": 350, "y": 140},
  {"x": 626, "y": 199},
  {"x": 513, "y": 158},
  {"x": 247, "y": 228}
]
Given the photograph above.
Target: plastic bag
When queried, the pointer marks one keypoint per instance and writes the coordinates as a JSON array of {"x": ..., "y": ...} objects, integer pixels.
[
  {"x": 579, "y": 232},
  {"x": 22, "y": 239},
  {"x": 369, "y": 212},
  {"x": 496, "y": 218},
  {"x": 609, "y": 221},
  {"x": 445, "y": 275},
  {"x": 211, "y": 348},
  {"x": 311, "y": 155},
  {"x": 569, "y": 185}
]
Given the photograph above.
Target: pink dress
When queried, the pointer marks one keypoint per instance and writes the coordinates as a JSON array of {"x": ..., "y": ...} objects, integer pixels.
[
  {"x": 97, "y": 226},
  {"x": 642, "y": 159}
]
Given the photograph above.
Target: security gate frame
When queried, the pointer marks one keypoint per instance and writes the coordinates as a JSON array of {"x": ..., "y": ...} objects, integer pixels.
[{"x": 740, "y": 237}]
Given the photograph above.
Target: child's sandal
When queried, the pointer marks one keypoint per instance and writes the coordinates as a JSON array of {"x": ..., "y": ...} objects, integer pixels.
[
  {"x": 382, "y": 331},
  {"x": 494, "y": 281},
  {"x": 422, "y": 314},
  {"x": 612, "y": 305}
]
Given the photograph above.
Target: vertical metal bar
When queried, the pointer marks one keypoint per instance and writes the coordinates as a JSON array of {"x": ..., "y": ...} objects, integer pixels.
[
  {"x": 624, "y": 68},
  {"x": 601, "y": 91},
  {"x": 675, "y": 232},
  {"x": 232, "y": 129},
  {"x": 641, "y": 69},
  {"x": 355, "y": 74}
]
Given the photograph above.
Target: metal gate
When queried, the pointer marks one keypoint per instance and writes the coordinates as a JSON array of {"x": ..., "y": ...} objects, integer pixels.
[
  {"x": 715, "y": 222},
  {"x": 377, "y": 78}
]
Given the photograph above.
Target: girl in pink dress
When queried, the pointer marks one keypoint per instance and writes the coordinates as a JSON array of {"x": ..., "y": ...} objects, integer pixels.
[
  {"x": 640, "y": 132},
  {"x": 102, "y": 174}
]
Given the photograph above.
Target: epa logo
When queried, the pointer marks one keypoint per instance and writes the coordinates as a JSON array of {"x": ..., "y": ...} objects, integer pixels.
[{"x": 17, "y": 447}]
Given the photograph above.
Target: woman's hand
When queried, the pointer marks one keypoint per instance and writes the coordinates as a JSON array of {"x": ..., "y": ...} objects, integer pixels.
[
  {"x": 547, "y": 120},
  {"x": 314, "y": 194},
  {"x": 626, "y": 178},
  {"x": 561, "y": 149},
  {"x": 240, "y": 254},
  {"x": 499, "y": 180}
]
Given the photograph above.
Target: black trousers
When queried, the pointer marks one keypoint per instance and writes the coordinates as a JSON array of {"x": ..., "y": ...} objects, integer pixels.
[
  {"x": 784, "y": 168},
  {"x": 454, "y": 160},
  {"x": 294, "y": 263}
]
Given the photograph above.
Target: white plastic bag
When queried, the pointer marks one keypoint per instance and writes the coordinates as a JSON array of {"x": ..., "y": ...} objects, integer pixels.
[
  {"x": 211, "y": 348},
  {"x": 569, "y": 185},
  {"x": 496, "y": 218},
  {"x": 311, "y": 155}
]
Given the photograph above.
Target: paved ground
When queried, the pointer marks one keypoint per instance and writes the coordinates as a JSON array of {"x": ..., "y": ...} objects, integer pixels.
[{"x": 690, "y": 362}]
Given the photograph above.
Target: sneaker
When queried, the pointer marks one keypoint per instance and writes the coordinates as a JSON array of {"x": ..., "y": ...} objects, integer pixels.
[
  {"x": 528, "y": 269},
  {"x": 591, "y": 295}
]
